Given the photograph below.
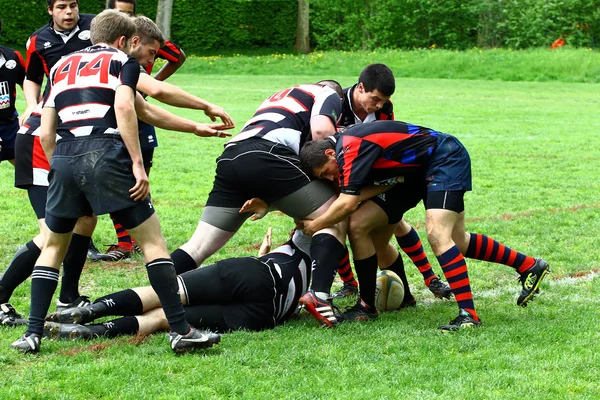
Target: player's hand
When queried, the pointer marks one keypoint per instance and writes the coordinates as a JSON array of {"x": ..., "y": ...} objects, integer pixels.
[
  {"x": 257, "y": 206},
  {"x": 211, "y": 130},
  {"x": 26, "y": 114},
  {"x": 214, "y": 112},
  {"x": 265, "y": 247},
  {"x": 141, "y": 190},
  {"x": 308, "y": 227}
]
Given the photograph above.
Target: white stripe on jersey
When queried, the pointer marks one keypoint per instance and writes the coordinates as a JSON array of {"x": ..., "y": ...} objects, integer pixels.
[
  {"x": 274, "y": 117},
  {"x": 24, "y": 129},
  {"x": 85, "y": 111}
]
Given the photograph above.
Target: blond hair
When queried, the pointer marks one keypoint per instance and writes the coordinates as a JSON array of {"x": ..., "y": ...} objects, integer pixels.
[{"x": 109, "y": 25}]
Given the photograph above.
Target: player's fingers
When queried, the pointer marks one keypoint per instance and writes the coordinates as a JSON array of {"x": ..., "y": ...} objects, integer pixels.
[{"x": 222, "y": 134}]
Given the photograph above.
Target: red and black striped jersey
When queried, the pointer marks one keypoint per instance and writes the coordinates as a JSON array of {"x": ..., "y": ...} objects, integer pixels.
[
  {"x": 349, "y": 117},
  {"x": 12, "y": 73},
  {"x": 46, "y": 46},
  {"x": 82, "y": 90},
  {"x": 382, "y": 153},
  {"x": 170, "y": 52},
  {"x": 285, "y": 116}
]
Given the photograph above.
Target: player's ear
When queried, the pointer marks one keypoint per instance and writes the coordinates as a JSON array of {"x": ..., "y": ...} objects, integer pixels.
[{"x": 330, "y": 153}]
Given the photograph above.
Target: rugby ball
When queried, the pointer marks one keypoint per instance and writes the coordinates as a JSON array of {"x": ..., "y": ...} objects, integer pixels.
[{"x": 389, "y": 292}]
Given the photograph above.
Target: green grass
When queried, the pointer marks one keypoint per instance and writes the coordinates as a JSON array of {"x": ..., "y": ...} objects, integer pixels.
[{"x": 535, "y": 156}]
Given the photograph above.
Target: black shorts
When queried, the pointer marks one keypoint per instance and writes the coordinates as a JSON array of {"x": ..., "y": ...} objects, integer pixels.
[
  {"x": 8, "y": 134},
  {"x": 37, "y": 197},
  {"x": 400, "y": 198},
  {"x": 255, "y": 168},
  {"x": 147, "y": 157},
  {"x": 92, "y": 175},
  {"x": 237, "y": 293}
]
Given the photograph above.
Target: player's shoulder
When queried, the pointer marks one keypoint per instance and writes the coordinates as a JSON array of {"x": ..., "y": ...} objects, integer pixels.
[{"x": 85, "y": 20}]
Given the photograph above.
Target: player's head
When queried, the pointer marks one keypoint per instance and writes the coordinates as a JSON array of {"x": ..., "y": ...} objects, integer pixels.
[
  {"x": 318, "y": 158},
  {"x": 376, "y": 84},
  {"x": 147, "y": 41},
  {"x": 64, "y": 13},
  {"x": 330, "y": 83},
  {"x": 113, "y": 28},
  {"x": 125, "y": 6}
]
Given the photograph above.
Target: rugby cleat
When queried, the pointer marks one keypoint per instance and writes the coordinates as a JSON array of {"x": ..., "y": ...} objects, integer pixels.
[
  {"x": 10, "y": 317},
  {"x": 440, "y": 289},
  {"x": 55, "y": 330},
  {"x": 347, "y": 290},
  {"x": 408, "y": 302},
  {"x": 531, "y": 279},
  {"x": 81, "y": 301},
  {"x": 321, "y": 310},
  {"x": 464, "y": 320},
  {"x": 93, "y": 253},
  {"x": 117, "y": 252},
  {"x": 360, "y": 312},
  {"x": 194, "y": 340},
  {"x": 75, "y": 315},
  {"x": 27, "y": 343}
]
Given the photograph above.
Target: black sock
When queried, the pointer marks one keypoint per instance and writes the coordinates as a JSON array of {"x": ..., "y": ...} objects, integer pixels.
[
  {"x": 326, "y": 253},
  {"x": 72, "y": 267},
  {"x": 182, "y": 261},
  {"x": 18, "y": 270},
  {"x": 163, "y": 279},
  {"x": 121, "y": 326},
  {"x": 125, "y": 302},
  {"x": 366, "y": 271},
  {"x": 398, "y": 268},
  {"x": 43, "y": 285}
]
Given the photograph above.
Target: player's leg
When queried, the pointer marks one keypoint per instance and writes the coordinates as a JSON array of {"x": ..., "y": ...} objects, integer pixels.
[{"x": 8, "y": 133}]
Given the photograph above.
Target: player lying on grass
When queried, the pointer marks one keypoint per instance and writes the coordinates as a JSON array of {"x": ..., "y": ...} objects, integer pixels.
[{"x": 252, "y": 293}]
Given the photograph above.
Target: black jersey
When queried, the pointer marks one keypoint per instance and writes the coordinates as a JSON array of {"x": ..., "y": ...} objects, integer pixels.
[
  {"x": 12, "y": 73},
  {"x": 382, "y": 153},
  {"x": 46, "y": 46},
  {"x": 349, "y": 117},
  {"x": 82, "y": 90}
]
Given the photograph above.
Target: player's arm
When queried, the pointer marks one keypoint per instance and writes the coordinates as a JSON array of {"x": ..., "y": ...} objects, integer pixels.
[
  {"x": 321, "y": 126},
  {"x": 128, "y": 128},
  {"x": 175, "y": 58},
  {"x": 341, "y": 208},
  {"x": 325, "y": 112},
  {"x": 163, "y": 119},
  {"x": 48, "y": 131},
  {"x": 177, "y": 97},
  {"x": 31, "y": 92},
  {"x": 34, "y": 77}
]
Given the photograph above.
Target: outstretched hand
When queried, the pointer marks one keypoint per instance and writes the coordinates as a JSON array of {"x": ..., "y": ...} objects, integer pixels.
[
  {"x": 214, "y": 112},
  {"x": 211, "y": 130},
  {"x": 265, "y": 247},
  {"x": 256, "y": 206}
]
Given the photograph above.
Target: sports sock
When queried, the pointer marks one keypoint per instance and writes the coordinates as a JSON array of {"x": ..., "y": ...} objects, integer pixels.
[
  {"x": 366, "y": 270},
  {"x": 398, "y": 268},
  {"x": 44, "y": 281},
  {"x": 345, "y": 270},
  {"x": 123, "y": 236},
  {"x": 455, "y": 270},
  {"x": 163, "y": 279},
  {"x": 128, "y": 325},
  {"x": 72, "y": 266},
  {"x": 19, "y": 269},
  {"x": 485, "y": 248},
  {"x": 412, "y": 246},
  {"x": 182, "y": 261},
  {"x": 125, "y": 302},
  {"x": 326, "y": 253}
]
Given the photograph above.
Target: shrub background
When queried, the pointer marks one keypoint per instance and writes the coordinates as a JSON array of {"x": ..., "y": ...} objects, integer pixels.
[{"x": 202, "y": 26}]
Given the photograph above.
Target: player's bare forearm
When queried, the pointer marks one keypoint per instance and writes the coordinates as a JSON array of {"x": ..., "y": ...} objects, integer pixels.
[
  {"x": 167, "y": 70},
  {"x": 31, "y": 92},
  {"x": 341, "y": 208},
  {"x": 372, "y": 191},
  {"x": 48, "y": 131}
]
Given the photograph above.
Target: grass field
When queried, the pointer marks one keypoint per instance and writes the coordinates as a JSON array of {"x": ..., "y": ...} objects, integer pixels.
[{"x": 535, "y": 158}]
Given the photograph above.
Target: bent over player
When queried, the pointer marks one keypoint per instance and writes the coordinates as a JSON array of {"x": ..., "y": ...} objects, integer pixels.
[{"x": 96, "y": 167}]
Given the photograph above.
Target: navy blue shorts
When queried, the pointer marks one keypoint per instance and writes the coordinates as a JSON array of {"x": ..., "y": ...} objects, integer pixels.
[
  {"x": 8, "y": 133},
  {"x": 449, "y": 168}
]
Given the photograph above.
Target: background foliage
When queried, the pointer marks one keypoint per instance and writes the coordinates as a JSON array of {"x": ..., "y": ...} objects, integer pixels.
[{"x": 203, "y": 26}]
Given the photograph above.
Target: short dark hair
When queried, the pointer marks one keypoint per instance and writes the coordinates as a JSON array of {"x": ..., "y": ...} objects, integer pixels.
[
  {"x": 333, "y": 85},
  {"x": 111, "y": 4},
  {"x": 312, "y": 154},
  {"x": 378, "y": 77},
  {"x": 51, "y": 2},
  {"x": 109, "y": 25}
]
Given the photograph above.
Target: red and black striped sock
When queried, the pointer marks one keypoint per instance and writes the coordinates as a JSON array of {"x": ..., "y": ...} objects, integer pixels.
[
  {"x": 412, "y": 246},
  {"x": 122, "y": 235},
  {"x": 485, "y": 248},
  {"x": 455, "y": 270},
  {"x": 345, "y": 270}
]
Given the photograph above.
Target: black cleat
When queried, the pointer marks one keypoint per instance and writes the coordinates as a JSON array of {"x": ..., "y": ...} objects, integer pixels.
[
  {"x": 81, "y": 301},
  {"x": 27, "y": 344},
  {"x": 75, "y": 315},
  {"x": 321, "y": 310},
  {"x": 54, "y": 330},
  {"x": 195, "y": 339},
  {"x": 464, "y": 320},
  {"x": 10, "y": 317},
  {"x": 360, "y": 312},
  {"x": 408, "y": 302},
  {"x": 117, "y": 252},
  {"x": 440, "y": 289},
  {"x": 531, "y": 279},
  {"x": 347, "y": 290},
  {"x": 93, "y": 252}
]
